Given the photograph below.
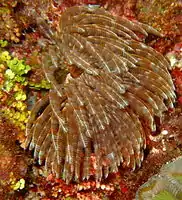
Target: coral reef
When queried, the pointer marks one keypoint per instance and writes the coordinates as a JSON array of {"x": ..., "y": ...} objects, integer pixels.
[
  {"x": 9, "y": 28},
  {"x": 13, "y": 165},
  {"x": 53, "y": 188},
  {"x": 12, "y": 85},
  {"x": 166, "y": 17},
  {"x": 175, "y": 57},
  {"x": 107, "y": 86},
  {"x": 20, "y": 177},
  {"x": 166, "y": 185},
  {"x": 163, "y": 12}
]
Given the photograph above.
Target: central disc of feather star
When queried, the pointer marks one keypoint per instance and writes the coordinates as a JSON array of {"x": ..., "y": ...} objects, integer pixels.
[{"x": 104, "y": 110}]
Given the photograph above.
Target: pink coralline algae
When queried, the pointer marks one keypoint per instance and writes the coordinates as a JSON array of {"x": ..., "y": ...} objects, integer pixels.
[{"x": 108, "y": 87}]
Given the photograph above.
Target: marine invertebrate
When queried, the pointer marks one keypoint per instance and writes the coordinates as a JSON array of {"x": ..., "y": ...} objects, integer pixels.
[
  {"x": 167, "y": 183},
  {"x": 107, "y": 87}
]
